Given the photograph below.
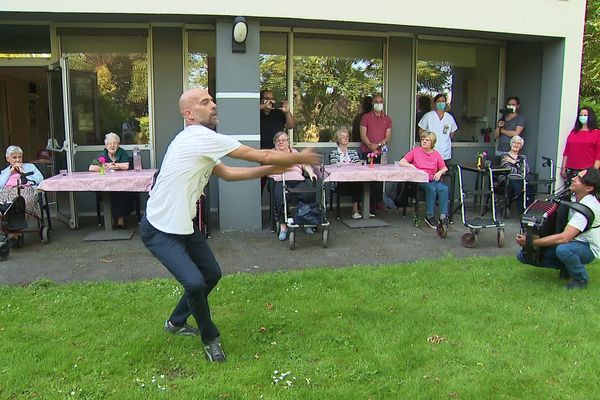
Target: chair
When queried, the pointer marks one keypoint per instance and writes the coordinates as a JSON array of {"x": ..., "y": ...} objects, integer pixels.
[{"x": 136, "y": 202}]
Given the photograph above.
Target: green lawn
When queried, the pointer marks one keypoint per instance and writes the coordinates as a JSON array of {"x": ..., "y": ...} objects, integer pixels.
[{"x": 481, "y": 328}]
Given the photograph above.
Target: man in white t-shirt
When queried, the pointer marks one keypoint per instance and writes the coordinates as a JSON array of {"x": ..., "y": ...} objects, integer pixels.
[
  {"x": 167, "y": 229},
  {"x": 569, "y": 250}
]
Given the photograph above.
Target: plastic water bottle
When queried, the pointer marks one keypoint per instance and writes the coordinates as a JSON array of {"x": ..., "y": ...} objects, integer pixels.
[
  {"x": 137, "y": 159},
  {"x": 384, "y": 154}
]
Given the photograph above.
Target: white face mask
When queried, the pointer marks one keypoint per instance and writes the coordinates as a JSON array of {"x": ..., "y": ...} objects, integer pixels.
[{"x": 378, "y": 107}]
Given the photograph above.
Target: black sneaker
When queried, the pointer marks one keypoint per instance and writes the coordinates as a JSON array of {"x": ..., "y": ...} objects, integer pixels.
[
  {"x": 214, "y": 352},
  {"x": 185, "y": 330},
  {"x": 563, "y": 275},
  {"x": 576, "y": 284},
  {"x": 431, "y": 222}
]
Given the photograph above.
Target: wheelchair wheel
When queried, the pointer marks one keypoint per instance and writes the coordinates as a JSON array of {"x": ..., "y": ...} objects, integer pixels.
[
  {"x": 20, "y": 241},
  {"x": 292, "y": 239},
  {"x": 469, "y": 240},
  {"x": 500, "y": 237},
  {"x": 4, "y": 250},
  {"x": 325, "y": 237},
  {"x": 45, "y": 235}
]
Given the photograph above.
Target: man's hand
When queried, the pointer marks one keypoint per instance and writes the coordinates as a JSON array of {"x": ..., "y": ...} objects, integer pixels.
[
  {"x": 285, "y": 107},
  {"x": 268, "y": 105},
  {"x": 373, "y": 146},
  {"x": 521, "y": 240},
  {"x": 308, "y": 157}
]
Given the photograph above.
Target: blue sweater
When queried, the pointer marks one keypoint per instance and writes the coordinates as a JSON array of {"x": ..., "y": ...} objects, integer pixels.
[{"x": 35, "y": 178}]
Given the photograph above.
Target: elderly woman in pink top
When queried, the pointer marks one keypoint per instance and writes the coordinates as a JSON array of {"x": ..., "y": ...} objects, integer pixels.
[
  {"x": 429, "y": 160},
  {"x": 294, "y": 178}
]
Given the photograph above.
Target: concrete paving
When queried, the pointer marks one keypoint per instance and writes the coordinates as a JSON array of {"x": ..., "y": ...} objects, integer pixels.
[{"x": 68, "y": 258}]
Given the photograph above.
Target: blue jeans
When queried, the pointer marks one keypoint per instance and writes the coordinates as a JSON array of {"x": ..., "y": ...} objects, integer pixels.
[
  {"x": 193, "y": 264},
  {"x": 570, "y": 257},
  {"x": 433, "y": 190}
]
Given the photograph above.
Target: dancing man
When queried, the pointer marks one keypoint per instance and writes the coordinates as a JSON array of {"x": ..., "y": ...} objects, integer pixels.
[{"x": 167, "y": 229}]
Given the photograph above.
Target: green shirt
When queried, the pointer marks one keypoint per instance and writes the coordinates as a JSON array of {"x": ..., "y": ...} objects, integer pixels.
[{"x": 121, "y": 156}]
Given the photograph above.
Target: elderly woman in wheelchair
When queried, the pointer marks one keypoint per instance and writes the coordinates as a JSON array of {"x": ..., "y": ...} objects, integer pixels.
[
  {"x": 294, "y": 178},
  {"x": 19, "y": 178},
  {"x": 516, "y": 163}
]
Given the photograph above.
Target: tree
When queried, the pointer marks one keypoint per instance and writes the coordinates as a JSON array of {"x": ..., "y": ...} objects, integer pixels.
[{"x": 590, "y": 70}]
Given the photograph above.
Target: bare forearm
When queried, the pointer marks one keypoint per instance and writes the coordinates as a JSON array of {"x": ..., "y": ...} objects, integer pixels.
[
  {"x": 241, "y": 173},
  {"x": 290, "y": 122}
]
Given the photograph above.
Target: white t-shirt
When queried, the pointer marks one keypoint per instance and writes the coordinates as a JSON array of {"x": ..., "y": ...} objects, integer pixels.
[
  {"x": 442, "y": 129},
  {"x": 185, "y": 170},
  {"x": 578, "y": 221}
]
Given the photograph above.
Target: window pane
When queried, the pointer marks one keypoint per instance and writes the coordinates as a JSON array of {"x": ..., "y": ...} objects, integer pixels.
[
  {"x": 331, "y": 76},
  {"x": 25, "y": 41},
  {"x": 273, "y": 63},
  {"x": 201, "y": 60},
  {"x": 109, "y": 93},
  {"x": 468, "y": 75}
]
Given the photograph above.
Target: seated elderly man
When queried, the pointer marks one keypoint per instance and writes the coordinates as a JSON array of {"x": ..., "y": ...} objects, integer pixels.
[
  {"x": 11, "y": 177},
  {"x": 569, "y": 250}
]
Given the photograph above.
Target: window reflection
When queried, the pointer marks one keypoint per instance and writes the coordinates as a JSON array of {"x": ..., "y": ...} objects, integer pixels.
[{"x": 468, "y": 75}]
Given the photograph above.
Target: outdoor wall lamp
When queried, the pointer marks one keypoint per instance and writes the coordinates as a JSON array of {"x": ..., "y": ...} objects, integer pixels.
[{"x": 239, "y": 35}]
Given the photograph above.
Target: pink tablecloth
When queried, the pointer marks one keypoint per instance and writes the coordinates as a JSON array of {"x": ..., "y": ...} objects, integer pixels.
[
  {"x": 117, "y": 181},
  {"x": 380, "y": 173}
]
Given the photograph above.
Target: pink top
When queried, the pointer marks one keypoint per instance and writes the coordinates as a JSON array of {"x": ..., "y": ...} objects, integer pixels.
[
  {"x": 13, "y": 180},
  {"x": 582, "y": 149},
  {"x": 117, "y": 181},
  {"x": 428, "y": 162},
  {"x": 376, "y": 127},
  {"x": 379, "y": 173},
  {"x": 294, "y": 174}
]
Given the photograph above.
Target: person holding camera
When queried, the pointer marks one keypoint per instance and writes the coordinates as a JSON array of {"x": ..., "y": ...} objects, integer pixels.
[
  {"x": 275, "y": 116},
  {"x": 510, "y": 124}
]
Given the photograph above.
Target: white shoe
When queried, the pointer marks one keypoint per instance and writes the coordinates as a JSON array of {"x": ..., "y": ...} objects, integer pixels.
[
  {"x": 371, "y": 215},
  {"x": 356, "y": 215}
]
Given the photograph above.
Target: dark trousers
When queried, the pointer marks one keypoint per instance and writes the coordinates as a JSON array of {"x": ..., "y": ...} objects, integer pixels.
[
  {"x": 193, "y": 264},
  {"x": 376, "y": 187}
]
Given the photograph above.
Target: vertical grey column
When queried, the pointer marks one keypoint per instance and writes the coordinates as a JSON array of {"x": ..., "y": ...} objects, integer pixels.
[
  {"x": 400, "y": 95},
  {"x": 167, "y": 64},
  {"x": 551, "y": 101},
  {"x": 524, "y": 64},
  {"x": 237, "y": 86}
]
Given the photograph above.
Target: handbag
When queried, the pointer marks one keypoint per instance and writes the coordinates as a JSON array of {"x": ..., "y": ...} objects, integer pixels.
[{"x": 308, "y": 214}]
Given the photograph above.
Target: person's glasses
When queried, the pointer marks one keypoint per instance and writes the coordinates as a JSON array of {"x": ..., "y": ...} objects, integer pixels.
[{"x": 281, "y": 141}]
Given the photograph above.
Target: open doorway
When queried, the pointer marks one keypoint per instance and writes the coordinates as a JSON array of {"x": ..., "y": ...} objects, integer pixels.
[{"x": 24, "y": 118}]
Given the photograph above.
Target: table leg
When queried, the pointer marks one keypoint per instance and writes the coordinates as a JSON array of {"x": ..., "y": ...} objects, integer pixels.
[
  {"x": 108, "y": 233},
  {"x": 365, "y": 221}
]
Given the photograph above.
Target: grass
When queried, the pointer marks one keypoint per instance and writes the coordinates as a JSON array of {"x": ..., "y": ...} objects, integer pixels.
[{"x": 481, "y": 328}]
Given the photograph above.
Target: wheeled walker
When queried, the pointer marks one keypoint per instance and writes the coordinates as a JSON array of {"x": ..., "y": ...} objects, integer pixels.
[
  {"x": 319, "y": 220},
  {"x": 484, "y": 188}
]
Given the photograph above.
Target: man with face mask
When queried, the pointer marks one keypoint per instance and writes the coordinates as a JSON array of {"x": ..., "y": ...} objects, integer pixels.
[
  {"x": 511, "y": 124},
  {"x": 375, "y": 133}
]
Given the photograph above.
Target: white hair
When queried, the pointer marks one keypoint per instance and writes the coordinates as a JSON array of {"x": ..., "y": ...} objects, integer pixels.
[
  {"x": 517, "y": 138},
  {"x": 112, "y": 136},
  {"x": 13, "y": 149}
]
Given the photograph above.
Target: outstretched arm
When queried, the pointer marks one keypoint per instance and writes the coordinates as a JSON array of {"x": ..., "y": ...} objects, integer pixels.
[
  {"x": 273, "y": 157},
  {"x": 244, "y": 173}
]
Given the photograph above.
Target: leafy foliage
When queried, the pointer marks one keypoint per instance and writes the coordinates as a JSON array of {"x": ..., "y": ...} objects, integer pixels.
[{"x": 590, "y": 71}]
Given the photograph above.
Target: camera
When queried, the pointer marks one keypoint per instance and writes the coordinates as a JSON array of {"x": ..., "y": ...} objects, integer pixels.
[
  {"x": 504, "y": 112},
  {"x": 278, "y": 104}
]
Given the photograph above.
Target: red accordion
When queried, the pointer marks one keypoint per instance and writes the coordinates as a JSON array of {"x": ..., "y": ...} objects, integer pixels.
[{"x": 541, "y": 218}]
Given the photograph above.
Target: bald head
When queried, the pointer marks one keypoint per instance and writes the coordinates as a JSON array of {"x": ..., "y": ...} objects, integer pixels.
[{"x": 197, "y": 107}]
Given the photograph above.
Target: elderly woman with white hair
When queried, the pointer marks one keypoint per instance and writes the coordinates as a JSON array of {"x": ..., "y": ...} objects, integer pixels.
[
  {"x": 344, "y": 155},
  {"x": 11, "y": 177},
  {"x": 115, "y": 159},
  {"x": 517, "y": 164}
]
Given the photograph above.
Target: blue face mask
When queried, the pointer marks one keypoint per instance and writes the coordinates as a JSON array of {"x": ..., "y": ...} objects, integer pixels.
[
  {"x": 440, "y": 106},
  {"x": 583, "y": 119}
]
